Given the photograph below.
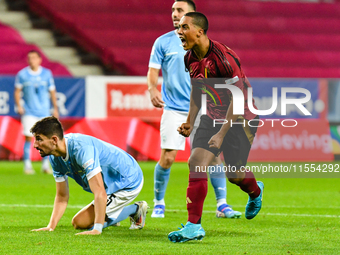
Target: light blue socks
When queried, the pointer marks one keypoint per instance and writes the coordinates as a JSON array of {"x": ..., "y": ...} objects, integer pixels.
[
  {"x": 126, "y": 212},
  {"x": 161, "y": 179},
  {"x": 218, "y": 181}
]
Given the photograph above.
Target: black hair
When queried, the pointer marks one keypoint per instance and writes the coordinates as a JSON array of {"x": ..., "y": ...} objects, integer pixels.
[
  {"x": 191, "y": 3},
  {"x": 48, "y": 127},
  {"x": 199, "y": 19}
]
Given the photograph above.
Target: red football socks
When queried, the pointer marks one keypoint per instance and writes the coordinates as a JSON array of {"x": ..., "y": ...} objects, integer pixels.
[
  {"x": 249, "y": 185},
  {"x": 196, "y": 193}
]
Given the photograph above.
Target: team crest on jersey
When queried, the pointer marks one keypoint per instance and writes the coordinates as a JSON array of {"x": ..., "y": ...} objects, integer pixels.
[
  {"x": 88, "y": 164},
  {"x": 206, "y": 72}
]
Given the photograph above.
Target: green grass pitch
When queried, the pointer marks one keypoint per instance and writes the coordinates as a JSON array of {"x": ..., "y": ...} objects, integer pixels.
[{"x": 299, "y": 216}]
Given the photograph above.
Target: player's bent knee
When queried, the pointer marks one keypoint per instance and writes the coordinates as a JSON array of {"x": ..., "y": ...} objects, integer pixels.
[
  {"x": 188, "y": 162},
  {"x": 77, "y": 224},
  {"x": 194, "y": 162},
  {"x": 235, "y": 177},
  {"x": 74, "y": 223},
  {"x": 167, "y": 161},
  {"x": 235, "y": 180}
]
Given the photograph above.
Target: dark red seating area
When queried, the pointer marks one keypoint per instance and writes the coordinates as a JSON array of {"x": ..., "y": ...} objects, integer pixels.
[
  {"x": 13, "y": 53},
  {"x": 10, "y": 36},
  {"x": 273, "y": 39}
]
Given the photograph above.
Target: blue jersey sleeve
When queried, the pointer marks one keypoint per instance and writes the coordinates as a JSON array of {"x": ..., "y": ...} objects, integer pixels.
[
  {"x": 58, "y": 176},
  {"x": 18, "y": 81},
  {"x": 88, "y": 158},
  {"x": 157, "y": 55}
]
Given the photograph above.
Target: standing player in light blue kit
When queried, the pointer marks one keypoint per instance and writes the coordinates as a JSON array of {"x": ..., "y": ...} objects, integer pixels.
[
  {"x": 112, "y": 175},
  {"x": 168, "y": 54},
  {"x": 36, "y": 84}
]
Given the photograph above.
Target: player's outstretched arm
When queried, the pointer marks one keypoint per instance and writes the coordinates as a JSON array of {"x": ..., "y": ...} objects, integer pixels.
[
  {"x": 100, "y": 197},
  {"x": 60, "y": 204},
  {"x": 155, "y": 95}
]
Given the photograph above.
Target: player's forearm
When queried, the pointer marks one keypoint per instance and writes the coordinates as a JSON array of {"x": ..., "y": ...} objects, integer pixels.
[
  {"x": 17, "y": 97},
  {"x": 152, "y": 78},
  {"x": 54, "y": 99},
  {"x": 193, "y": 109},
  {"x": 60, "y": 204},
  {"x": 100, "y": 207}
]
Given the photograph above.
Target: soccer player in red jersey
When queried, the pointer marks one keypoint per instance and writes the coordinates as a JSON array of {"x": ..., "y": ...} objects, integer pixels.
[{"x": 208, "y": 60}]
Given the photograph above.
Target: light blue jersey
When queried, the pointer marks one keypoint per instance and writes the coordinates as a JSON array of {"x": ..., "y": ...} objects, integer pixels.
[
  {"x": 168, "y": 54},
  {"x": 87, "y": 156},
  {"x": 35, "y": 87}
]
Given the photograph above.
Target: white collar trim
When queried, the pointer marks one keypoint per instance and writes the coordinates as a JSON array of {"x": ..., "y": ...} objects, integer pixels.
[
  {"x": 67, "y": 154},
  {"x": 31, "y": 72}
]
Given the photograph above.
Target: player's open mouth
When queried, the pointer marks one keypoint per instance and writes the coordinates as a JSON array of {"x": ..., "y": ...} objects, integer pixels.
[{"x": 183, "y": 42}]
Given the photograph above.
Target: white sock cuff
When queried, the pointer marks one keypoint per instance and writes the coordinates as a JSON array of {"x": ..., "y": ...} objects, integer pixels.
[
  {"x": 221, "y": 202},
  {"x": 159, "y": 202},
  {"x": 28, "y": 164}
]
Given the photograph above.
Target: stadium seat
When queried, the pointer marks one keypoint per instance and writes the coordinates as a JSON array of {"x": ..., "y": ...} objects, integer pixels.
[
  {"x": 10, "y": 36},
  {"x": 273, "y": 39},
  {"x": 13, "y": 54}
]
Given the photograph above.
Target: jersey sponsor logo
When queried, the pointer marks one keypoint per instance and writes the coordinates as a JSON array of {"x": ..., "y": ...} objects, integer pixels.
[{"x": 88, "y": 164}]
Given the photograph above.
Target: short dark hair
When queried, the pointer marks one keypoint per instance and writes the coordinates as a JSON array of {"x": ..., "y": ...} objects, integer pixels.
[
  {"x": 34, "y": 51},
  {"x": 191, "y": 3},
  {"x": 48, "y": 126},
  {"x": 199, "y": 19}
]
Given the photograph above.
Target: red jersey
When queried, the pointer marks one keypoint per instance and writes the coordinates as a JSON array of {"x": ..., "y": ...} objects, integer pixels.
[{"x": 219, "y": 62}]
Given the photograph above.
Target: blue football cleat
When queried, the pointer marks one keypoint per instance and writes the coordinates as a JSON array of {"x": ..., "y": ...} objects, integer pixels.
[
  {"x": 158, "y": 211},
  {"x": 254, "y": 204},
  {"x": 225, "y": 211},
  {"x": 189, "y": 232}
]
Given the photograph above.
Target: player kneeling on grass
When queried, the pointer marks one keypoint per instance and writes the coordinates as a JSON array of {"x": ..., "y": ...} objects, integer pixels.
[{"x": 112, "y": 175}]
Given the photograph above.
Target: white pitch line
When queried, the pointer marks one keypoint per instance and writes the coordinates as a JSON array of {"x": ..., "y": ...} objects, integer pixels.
[
  {"x": 234, "y": 206},
  {"x": 303, "y": 215},
  {"x": 282, "y": 206},
  {"x": 39, "y": 206},
  {"x": 178, "y": 210},
  {"x": 275, "y": 214}
]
